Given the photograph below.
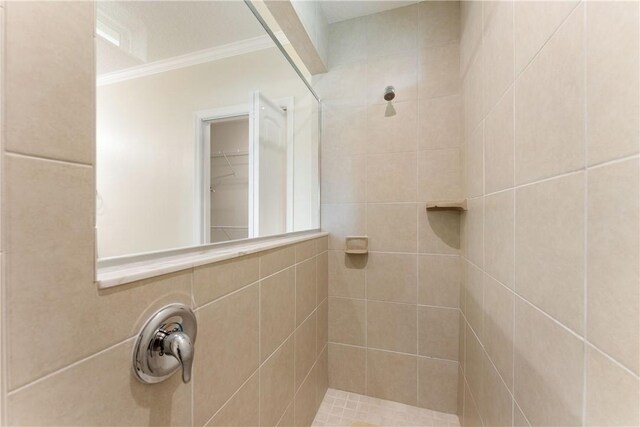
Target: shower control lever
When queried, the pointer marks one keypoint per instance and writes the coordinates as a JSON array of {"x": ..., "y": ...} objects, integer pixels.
[
  {"x": 165, "y": 345},
  {"x": 178, "y": 344}
]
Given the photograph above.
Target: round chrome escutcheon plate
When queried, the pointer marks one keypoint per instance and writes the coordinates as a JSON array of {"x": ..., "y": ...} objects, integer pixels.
[{"x": 150, "y": 365}]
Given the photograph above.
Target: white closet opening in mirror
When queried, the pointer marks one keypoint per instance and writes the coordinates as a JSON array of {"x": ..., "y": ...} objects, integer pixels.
[{"x": 247, "y": 170}]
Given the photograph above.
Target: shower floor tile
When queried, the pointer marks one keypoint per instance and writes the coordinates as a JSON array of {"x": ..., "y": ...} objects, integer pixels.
[{"x": 341, "y": 408}]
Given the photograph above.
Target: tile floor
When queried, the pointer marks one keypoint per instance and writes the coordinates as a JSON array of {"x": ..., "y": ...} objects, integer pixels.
[{"x": 341, "y": 408}]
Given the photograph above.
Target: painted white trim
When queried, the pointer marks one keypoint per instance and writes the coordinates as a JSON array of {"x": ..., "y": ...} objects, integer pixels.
[
  {"x": 201, "y": 229},
  {"x": 287, "y": 104},
  {"x": 131, "y": 30},
  {"x": 194, "y": 58},
  {"x": 206, "y": 185},
  {"x": 254, "y": 184}
]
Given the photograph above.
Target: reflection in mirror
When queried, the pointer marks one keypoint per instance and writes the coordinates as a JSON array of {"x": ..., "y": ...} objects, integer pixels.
[
  {"x": 205, "y": 132},
  {"x": 229, "y": 174}
]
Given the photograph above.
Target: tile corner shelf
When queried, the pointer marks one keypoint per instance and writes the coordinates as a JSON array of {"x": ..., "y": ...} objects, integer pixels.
[{"x": 447, "y": 205}]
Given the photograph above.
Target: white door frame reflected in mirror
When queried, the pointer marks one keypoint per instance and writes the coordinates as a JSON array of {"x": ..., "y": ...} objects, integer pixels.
[
  {"x": 202, "y": 199},
  {"x": 270, "y": 202}
]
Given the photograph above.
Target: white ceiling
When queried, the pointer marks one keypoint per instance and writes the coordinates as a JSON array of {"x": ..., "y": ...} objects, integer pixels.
[
  {"x": 165, "y": 29},
  {"x": 341, "y": 10},
  {"x": 157, "y": 30}
]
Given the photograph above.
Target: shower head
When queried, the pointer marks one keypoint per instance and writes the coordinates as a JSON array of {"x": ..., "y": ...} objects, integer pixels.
[{"x": 389, "y": 93}]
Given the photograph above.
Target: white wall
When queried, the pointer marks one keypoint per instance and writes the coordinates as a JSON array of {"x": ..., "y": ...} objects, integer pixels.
[{"x": 146, "y": 147}]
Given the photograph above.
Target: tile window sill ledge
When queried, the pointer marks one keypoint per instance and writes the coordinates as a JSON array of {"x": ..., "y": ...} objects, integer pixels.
[{"x": 125, "y": 270}]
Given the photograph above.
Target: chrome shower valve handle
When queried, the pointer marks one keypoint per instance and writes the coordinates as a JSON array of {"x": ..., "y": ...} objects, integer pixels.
[
  {"x": 165, "y": 345},
  {"x": 178, "y": 345}
]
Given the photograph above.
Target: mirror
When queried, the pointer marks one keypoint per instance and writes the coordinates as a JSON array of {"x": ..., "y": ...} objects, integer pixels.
[{"x": 205, "y": 131}]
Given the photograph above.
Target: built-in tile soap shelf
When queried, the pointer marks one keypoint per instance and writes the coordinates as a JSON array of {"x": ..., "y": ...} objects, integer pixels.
[
  {"x": 447, "y": 205},
  {"x": 357, "y": 245}
]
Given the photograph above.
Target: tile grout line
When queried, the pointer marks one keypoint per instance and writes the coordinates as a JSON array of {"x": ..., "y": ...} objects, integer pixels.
[
  {"x": 290, "y": 405},
  {"x": 4, "y": 365},
  {"x": 193, "y": 380},
  {"x": 262, "y": 363},
  {"x": 70, "y": 366},
  {"x": 584, "y": 169},
  {"x": 590, "y": 344},
  {"x": 393, "y": 302},
  {"x": 394, "y": 351},
  {"x": 532, "y": 304},
  {"x": 257, "y": 281},
  {"x": 260, "y": 279},
  {"x": 419, "y": 254},
  {"x": 514, "y": 209},
  {"x": 473, "y": 400},
  {"x": 256, "y": 372},
  {"x": 232, "y": 293},
  {"x": 514, "y": 403},
  {"x": 260, "y": 284},
  {"x": 366, "y": 230},
  {"x": 484, "y": 199},
  {"x": 417, "y": 247},
  {"x": 47, "y": 159},
  {"x": 613, "y": 360},
  {"x": 548, "y": 316},
  {"x": 549, "y": 38},
  {"x": 493, "y": 365},
  {"x": 617, "y": 160},
  {"x": 293, "y": 335},
  {"x": 417, "y": 271},
  {"x": 585, "y": 207}
]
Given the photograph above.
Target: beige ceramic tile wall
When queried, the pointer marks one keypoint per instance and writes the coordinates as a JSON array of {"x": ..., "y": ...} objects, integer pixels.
[
  {"x": 393, "y": 315},
  {"x": 2, "y": 247},
  {"x": 551, "y": 289},
  {"x": 261, "y": 352}
]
